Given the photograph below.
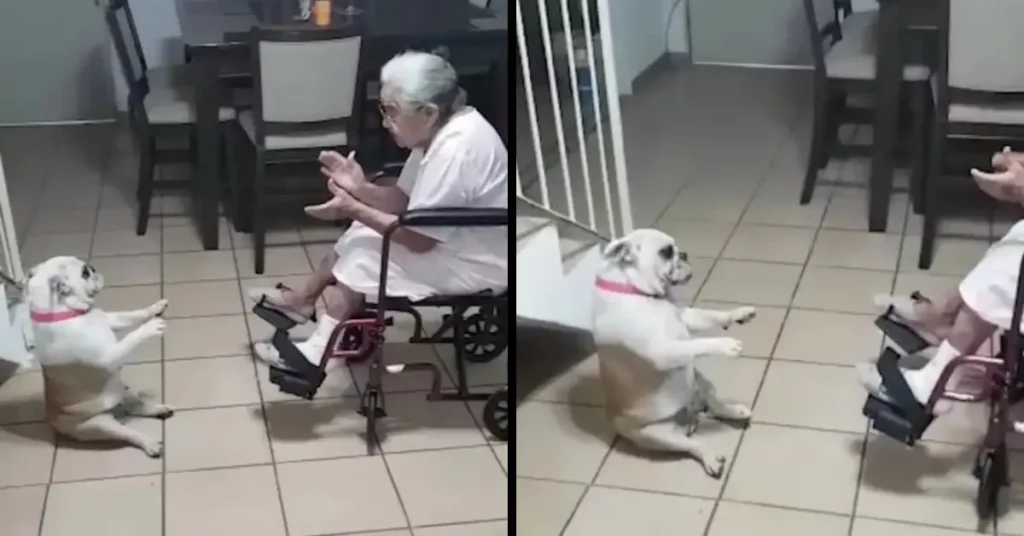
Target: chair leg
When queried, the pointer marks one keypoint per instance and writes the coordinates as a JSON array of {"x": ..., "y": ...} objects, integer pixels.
[
  {"x": 818, "y": 142},
  {"x": 836, "y": 106},
  {"x": 193, "y": 148},
  {"x": 259, "y": 216},
  {"x": 243, "y": 194},
  {"x": 231, "y": 170},
  {"x": 931, "y": 194},
  {"x": 144, "y": 189},
  {"x": 923, "y": 124}
]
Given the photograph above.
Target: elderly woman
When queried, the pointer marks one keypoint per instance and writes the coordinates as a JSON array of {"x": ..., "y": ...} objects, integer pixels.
[
  {"x": 959, "y": 323},
  {"x": 457, "y": 160}
]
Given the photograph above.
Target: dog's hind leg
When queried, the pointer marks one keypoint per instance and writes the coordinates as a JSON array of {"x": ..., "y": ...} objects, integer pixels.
[
  {"x": 137, "y": 404},
  {"x": 717, "y": 407},
  {"x": 104, "y": 427},
  {"x": 669, "y": 436},
  {"x": 127, "y": 319}
]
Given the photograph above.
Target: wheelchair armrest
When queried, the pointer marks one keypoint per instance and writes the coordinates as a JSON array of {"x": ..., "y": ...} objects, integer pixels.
[
  {"x": 435, "y": 217},
  {"x": 392, "y": 169},
  {"x": 455, "y": 217}
]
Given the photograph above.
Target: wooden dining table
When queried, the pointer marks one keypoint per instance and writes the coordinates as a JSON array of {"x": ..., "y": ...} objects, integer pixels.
[
  {"x": 898, "y": 20},
  {"x": 215, "y": 34}
]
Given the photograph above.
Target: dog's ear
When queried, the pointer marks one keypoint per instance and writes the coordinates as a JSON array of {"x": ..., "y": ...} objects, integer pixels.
[
  {"x": 620, "y": 251},
  {"x": 59, "y": 286}
]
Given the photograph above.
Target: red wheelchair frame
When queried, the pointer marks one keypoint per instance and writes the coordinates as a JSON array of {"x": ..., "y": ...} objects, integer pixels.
[{"x": 361, "y": 338}]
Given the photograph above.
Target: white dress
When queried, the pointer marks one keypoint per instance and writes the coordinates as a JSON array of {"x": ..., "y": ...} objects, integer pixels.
[
  {"x": 466, "y": 166},
  {"x": 991, "y": 286}
]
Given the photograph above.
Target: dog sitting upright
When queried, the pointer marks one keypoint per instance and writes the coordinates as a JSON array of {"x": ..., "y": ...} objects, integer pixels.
[
  {"x": 647, "y": 350},
  {"x": 81, "y": 356}
]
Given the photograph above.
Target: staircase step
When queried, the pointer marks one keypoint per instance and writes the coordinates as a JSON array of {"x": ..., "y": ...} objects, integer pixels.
[
  {"x": 527, "y": 225},
  {"x": 570, "y": 247}
]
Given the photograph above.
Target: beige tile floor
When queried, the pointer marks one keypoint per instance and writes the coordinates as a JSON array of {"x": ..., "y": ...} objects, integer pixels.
[
  {"x": 710, "y": 161},
  {"x": 241, "y": 458},
  {"x": 807, "y": 465}
]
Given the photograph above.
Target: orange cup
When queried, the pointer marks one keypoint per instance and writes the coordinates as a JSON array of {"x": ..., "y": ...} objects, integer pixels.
[{"x": 322, "y": 12}]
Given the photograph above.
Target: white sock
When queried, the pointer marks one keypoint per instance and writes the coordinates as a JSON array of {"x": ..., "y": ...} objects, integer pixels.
[
  {"x": 923, "y": 381},
  {"x": 313, "y": 347}
]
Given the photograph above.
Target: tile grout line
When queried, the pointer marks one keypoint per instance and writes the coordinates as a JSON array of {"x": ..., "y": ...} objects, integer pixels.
[
  {"x": 375, "y": 440},
  {"x": 481, "y": 427},
  {"x": 39, "y": 200},
  {"x": 252, "y": 465},
  {"x": 862, "y": 463},
  {"x": 764, "y": 376},
  {"x": 163, "y": 379},
  {"x": 56, "y": 438},
  {"x": 92, "y": 239},
  {"x": 382, "y": 453},
  {"x": 263, "y": 401},
  {"x": 696, "y": 293}
]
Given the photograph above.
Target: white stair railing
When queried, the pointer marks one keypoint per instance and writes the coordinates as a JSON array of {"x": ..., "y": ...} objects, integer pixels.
[
  {"x": 583, "y": 91},
  {"x": 15, "y": 328}
]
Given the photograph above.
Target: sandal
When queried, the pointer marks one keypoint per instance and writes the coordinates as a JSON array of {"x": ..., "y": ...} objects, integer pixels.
[{"x": 270, "y": 298}]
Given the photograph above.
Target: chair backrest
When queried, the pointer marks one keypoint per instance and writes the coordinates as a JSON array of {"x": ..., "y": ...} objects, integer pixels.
[
  {"x": 306, "y": 75},
  {"x": 125, "y": 35},
  {"x": 822, "y": 17},
  {"x": 985, "y": 40}
]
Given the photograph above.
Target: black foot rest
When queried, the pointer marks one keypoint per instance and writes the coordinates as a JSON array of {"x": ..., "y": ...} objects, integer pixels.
[
  {"x": 902, "y": 417},
  {"x": 272, "y": 316},
  {"x": 294, "y": 375},
  {"x": 903, "y": 335}
]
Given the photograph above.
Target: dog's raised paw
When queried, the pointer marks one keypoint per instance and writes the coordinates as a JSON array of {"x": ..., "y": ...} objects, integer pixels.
[
  {"x": 163, "y": 412},
  {"x": 716, "y": 468},
  {"x": 158, "y": 308},
  {"x": 743, "y": 315},
  {"x": 729, "y": 347},
  {"x": 154, "y": 327},
  {"x": 153, "y": 449}
]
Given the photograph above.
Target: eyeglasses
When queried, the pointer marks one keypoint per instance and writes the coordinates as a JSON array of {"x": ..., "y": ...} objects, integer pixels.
[{"x": 388, "y": 111}]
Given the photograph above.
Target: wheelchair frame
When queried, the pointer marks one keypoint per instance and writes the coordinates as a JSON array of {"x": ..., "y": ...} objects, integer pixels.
[
  {"x": 362, "y": 336},
  {"x": 905, "y": 419}
]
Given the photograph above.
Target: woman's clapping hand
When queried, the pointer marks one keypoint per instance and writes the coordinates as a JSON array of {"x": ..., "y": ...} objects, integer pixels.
[{"x": 343, "y": 171}]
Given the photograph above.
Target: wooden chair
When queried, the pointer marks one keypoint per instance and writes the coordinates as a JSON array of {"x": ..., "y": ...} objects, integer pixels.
[
  {"x": 843, "y": 48},
  {"x": 979, "y": 93},
  {"x": 159, "y": 107},
  {"x": 307, "y": 85}
]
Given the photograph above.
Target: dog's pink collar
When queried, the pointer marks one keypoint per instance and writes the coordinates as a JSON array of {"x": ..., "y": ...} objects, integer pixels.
[
  {"x": 621, "y": 288},
  {"x": 40, "y": 317}
]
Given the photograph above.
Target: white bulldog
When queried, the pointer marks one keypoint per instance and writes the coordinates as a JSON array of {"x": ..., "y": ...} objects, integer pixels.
[
  {"x": 81, "y": 356},
  {"x": 648, "y": 351}
]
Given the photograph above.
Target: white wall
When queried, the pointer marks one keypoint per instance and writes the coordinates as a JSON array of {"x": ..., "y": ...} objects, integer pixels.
[
  {"x": 678, "y": 39},
  {"x": 639, "y": 31},
  {"x": 160, "y": 34}
]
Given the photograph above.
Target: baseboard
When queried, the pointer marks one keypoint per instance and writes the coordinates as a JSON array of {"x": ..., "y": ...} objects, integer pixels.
[
  {"x": 756, "y": 65},
  {"x": 59, "y": 123},
  {"x": 680, "y": 58},
  {"x": 658, "y": 67}
]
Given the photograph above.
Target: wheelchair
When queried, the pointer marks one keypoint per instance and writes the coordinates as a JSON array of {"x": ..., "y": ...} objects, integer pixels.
[
  {"x": 905, "y": 419},
  {"x": 476, "y": 324}
]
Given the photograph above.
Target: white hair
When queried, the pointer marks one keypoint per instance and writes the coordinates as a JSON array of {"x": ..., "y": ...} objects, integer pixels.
[{"x": 421, "y": 78}]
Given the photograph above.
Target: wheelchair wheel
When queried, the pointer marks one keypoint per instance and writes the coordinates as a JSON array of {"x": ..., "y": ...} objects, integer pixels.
[
  {"x": 992, "y": 478},
  {"x": 496, "y": 414},
  {"x": 372, "y": 408},
  {"x": 484, "y": 336}
]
